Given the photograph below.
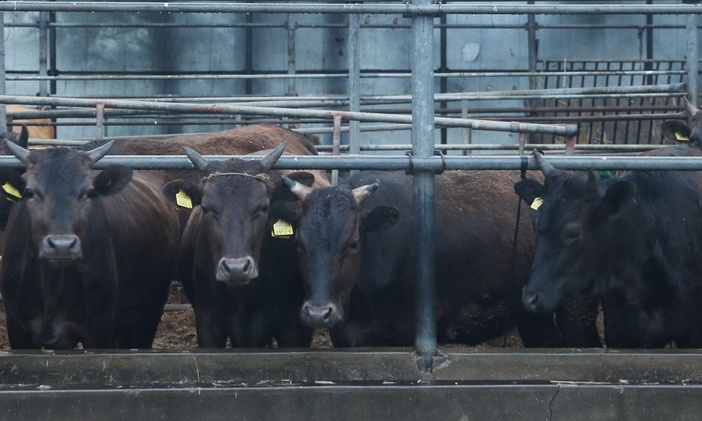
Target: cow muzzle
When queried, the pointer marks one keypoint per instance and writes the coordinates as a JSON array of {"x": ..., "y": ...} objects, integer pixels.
[
  {"x": 236, "y": 270},
  {"x": 61, "y": 247},
  {"x": 537, "y": 301},
  {"x": 320, "y": 316}
]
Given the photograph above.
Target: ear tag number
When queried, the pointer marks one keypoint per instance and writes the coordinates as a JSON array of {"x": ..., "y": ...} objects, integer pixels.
[
  {"x": 183, "y": 200},
  {"x": 680, "y": 137},
  {"x": 282, "y": 229},
  {"x": 536, "y": 204},
  {"x": 11, "y": 190}
]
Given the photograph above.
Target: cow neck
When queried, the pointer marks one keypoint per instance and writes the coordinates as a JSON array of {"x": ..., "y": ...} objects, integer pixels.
[{"x": 260, "y": 177}]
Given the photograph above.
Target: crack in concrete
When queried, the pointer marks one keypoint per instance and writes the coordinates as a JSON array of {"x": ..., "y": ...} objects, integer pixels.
[{"x": 550, "y": 404}]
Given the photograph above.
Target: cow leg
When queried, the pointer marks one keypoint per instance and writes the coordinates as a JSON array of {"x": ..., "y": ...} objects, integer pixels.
[
  {"x": 19, "y": 338},
  {"x": 210, "y": 332}
]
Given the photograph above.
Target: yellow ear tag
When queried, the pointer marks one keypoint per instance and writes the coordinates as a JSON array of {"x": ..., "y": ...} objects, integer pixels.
[
  {"x": 282, "y": 229},
  {"x": 536, "y": 204},
  {"x": 183, "y": 200},
  {"x": 11, "y": 190},
  {"x": 680, "y": 137}
]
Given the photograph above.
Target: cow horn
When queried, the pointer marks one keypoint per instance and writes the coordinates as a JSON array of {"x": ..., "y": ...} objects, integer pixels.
[
  {"x": 16, "y": 150},
  {"x": 545, "y": 166},
  {"x": 96, "y": 154},
  {"x": 362, "y": 193},
  {"x": 298, "y": 189},
  {"x": 691, "y": 109},
  {"x": 273, "y": 156},
  {"x": 198, "y": 160}
]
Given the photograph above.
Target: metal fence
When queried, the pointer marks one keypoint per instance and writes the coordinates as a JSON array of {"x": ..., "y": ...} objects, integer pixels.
[{"x": 424, "y": 109}]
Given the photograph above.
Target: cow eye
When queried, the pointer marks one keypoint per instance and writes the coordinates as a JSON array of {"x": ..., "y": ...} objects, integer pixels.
[
  {"x": 204, "y": 209},
  {"x": 27, "y": 193},
  {"x": 90, "y": 193},
  {"x": 572, "y": 236},
  {"x": 354, "y": 245},
  {"x": 263, "y": 209}
]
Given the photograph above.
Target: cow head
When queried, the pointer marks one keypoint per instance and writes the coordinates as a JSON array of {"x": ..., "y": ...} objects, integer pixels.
[
  {"x": 677, "y": 131},
  {"x": 573, "y": 226},
  {"x": 234, "y": 203},
  {"x": 58, "y": 188},
  {"x": 329, "y": 240},
  {"x": 10, "y": 176}
]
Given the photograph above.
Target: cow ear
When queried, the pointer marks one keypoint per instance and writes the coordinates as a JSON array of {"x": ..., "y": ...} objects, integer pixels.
[
  {"x": 183, "y": 194},
  {"x": 283, "y": 193},
  {"x": 675, "y": 131},
  {"x": 381, "y": 218},
  {"x": 111, "y": 180},
  {"x": 12, "y": 183},
  {"x": 617, "y": 199},
  {"x": 531, "y": 191}
]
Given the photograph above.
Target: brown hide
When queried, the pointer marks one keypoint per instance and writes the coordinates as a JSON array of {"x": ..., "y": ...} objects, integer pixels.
[{"x": 35, "y": 132}]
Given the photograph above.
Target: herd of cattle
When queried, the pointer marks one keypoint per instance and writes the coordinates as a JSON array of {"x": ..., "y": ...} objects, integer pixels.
[{"x": 269, "y": 255}]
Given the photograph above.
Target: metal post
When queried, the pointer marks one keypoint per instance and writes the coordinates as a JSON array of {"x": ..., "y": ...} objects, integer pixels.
[
  {"x": 99, "y": 121},
  {"x": 354, "y": 83},
  {"x": 692, "y": 65},
  {"x": 422, "y": 63},
  {"x": 3, "y": 91},
  {"x": 43, "y": 52},
  {"x": 533, "y": 54},
  {"x": 465, "y": 132},
  {"x": 291, "y": 27},
  {"x": 335, "y": 147}
]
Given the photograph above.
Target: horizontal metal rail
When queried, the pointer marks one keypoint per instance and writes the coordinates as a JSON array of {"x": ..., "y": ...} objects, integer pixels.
[
  {"x": 407, "y": 163},
  {"x": 327, "y": 8},
  {"x": 564, "y": 130}
]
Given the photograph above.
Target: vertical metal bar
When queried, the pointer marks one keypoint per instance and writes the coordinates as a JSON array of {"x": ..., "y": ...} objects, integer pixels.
[
  {"x": 354, "y": 83},
  {"x": 443, "y": 68},
  {"x": 43, "y": 52},
  {"x": 336, "y": 141},
  {"x": 533, "y": 57},
  {"x": 570, "y": 145},
  {"x": 248, "y": 65},
  {"x": 100, "y": 121},
  {"x": 291, "y": 27},
  {"x": 465, "y": 131},
  {"x": 692, "y": 60},
  {"x": 422, "y": 64},
  {"x": 3, "y": 88}
]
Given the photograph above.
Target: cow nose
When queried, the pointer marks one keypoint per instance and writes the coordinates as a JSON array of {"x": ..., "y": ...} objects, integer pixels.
[
  {"x": 531, "y": 300},
  {"x": 320, "y": 316},
  {"x": 61, "y": 247},
  {"x": 236, "y": 270}
]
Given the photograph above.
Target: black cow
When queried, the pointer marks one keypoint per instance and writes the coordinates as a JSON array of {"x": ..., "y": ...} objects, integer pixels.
[
  {"x": 89, "y": 255},
  {"x": 237, "y": 257},
  {"x": 361, "y": 233},
  {"x": 635, "y": 240},
  {"x": 677, "y": 131}
]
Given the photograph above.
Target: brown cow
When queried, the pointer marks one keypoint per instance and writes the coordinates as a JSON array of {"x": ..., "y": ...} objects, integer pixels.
[
  {"x": 237, "y": 254},
  {"x": 89, "y": 255},
  {"x": 361, "y": 233}
]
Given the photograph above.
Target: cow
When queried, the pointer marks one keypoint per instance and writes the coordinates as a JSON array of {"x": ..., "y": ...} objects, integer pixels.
[
  {"x": 89, "y": 254},
  {"x": 355, "y": 244},
  {"x": 43, "y": 131},
  {"x": 237, "y": 257},
  {"x": 633, "y": 240},
  {"x": 677, "y": 131}
]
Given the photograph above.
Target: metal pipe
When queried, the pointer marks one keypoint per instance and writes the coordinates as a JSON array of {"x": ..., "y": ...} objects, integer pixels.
[
  {"x": 43, "y": 52},
  {"x": 692, "y": 60},
  {"x": 3, "y": 109},
  {"x": 404, "y": 9},
  {"x": 396, "y": 162},
  {"x": 564, "y": 130},
  {"x": 76, "y": 76},
  {"x": 422, "y": 64},
  {"x": 354, "y": 85}
]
